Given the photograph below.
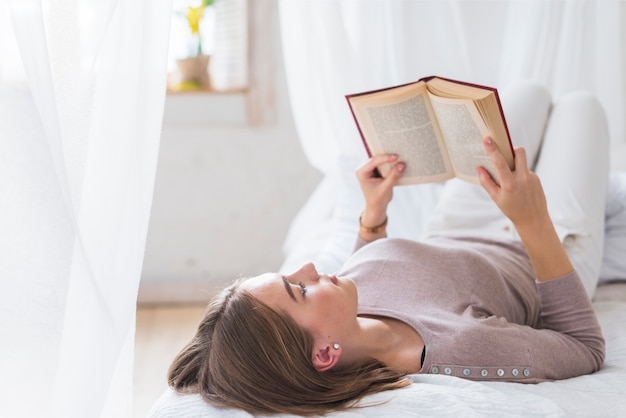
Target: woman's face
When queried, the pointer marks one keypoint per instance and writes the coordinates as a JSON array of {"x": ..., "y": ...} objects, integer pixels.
[{"x": 324, "y": 305}]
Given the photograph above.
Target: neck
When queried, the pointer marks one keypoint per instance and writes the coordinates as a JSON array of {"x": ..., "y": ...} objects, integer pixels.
[{"x": 390, "y": 341}]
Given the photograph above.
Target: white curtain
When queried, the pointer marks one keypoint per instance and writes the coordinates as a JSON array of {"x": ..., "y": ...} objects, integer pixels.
[
  {"x": 78, "y": 150},
  {"x": 333, "y": 48}
]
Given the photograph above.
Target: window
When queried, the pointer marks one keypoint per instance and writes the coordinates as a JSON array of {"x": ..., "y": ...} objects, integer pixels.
[
  {"x": 243, "y": 63},
  {"x": 208, "y": 48}
]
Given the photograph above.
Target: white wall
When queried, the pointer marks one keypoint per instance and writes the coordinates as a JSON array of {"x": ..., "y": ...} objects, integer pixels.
[{"x": 225, "y": 195}]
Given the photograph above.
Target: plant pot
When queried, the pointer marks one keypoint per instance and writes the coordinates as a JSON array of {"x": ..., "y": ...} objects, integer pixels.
[{"x": 193, "y": 72}]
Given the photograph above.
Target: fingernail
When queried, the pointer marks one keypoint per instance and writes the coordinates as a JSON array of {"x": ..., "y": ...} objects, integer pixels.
[
  {"x": 481, "y": 175},
  {"x": 488, "y": 141},
  {"x": 400, "y": 167}
]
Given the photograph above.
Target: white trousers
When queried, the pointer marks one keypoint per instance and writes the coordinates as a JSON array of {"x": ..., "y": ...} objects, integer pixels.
[{"x": 567, "y": 145}]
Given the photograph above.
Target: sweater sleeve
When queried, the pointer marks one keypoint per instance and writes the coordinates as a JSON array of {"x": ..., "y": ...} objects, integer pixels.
[
  {"x": 570, "y": 339},
  {"x": 567, "y": 343},
  {"x": 360, "y": 243}
]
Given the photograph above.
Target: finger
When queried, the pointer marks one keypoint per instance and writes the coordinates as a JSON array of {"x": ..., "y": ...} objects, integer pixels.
[
  {"x": 366, "y": 170},
  {"x": 502, "y": 168},
  {"x": 490, "y": 186},
  {"x": 520, "y": 158},
  {"x": 394, "y": 175}
]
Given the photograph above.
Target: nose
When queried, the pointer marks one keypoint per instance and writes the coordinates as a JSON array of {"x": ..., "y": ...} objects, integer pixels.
[{"x": 307, "y": 272}]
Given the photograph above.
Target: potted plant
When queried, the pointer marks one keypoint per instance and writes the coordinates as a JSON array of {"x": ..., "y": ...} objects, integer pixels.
[{"x": 193, "y": 69}]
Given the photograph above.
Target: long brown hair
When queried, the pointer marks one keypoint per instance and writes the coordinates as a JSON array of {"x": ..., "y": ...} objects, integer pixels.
[{"x": 246, "y": 355}]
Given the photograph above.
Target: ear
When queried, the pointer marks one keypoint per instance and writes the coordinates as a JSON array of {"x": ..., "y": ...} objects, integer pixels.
[{"x": 325, "y": 358}]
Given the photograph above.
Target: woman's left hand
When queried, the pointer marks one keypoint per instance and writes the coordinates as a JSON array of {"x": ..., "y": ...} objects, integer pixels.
[
  {"x": 378, "y": 191},
  {"x": 521, "y": 198},
  {"x": 519, "y": 195}
]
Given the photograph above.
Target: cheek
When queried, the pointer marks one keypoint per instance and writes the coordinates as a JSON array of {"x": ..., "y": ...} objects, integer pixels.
[
  {"x": 334, "y": 308},
  {"x": 327, "y": 311},
  {"x": 318, "y": 315}
]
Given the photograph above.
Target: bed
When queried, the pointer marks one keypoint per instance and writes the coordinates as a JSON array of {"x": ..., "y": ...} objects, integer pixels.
[{"x": 602, "y": 394}]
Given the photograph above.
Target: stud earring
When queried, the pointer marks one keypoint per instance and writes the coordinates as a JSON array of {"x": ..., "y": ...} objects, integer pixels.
[{"x": 336, "y": 346}]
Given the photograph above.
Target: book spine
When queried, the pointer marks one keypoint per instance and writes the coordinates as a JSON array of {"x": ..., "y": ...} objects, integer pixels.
[
  {"x": 506, "y": 127},
  {"x": 348, "y": 96},
  {"x": 367, "y": 148}
]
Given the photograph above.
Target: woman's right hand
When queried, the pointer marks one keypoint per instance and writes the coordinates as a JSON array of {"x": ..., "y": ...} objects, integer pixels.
[{"x": 378, "y": 191}]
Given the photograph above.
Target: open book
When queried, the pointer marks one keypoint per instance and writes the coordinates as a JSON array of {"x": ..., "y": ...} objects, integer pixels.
[{"x": 435, "y": 125}]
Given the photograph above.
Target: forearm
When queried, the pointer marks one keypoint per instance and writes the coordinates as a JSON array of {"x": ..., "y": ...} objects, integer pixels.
[{"x": 544, "y": 249}]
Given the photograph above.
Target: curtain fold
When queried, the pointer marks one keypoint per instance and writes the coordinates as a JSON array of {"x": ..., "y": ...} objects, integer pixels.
[{"x": 78, "y": 168}]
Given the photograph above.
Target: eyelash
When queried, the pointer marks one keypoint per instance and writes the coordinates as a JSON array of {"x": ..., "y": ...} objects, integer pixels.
[{"x": 303, "y": 287}]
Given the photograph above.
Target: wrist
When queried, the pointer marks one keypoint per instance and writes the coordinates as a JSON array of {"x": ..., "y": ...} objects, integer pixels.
[
  {"x": 372, "y": 215},
  {"x": 372, "y": 225},
  {"x": 537, "y": 226}
]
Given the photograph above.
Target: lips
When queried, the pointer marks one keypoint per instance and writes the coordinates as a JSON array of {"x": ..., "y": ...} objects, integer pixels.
[{"x": 333, "y": 279}]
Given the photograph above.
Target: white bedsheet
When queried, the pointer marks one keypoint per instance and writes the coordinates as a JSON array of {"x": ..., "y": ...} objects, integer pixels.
[{"x": 602, "y": 394}]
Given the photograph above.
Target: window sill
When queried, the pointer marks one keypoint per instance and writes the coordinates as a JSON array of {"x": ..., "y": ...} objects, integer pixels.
[{"x": 205, "y": 107}]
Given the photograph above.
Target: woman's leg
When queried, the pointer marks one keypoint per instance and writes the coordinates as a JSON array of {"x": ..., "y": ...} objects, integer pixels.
[
  {"x": 465, "y": 209},
  {"x": 573, "y": 167}
]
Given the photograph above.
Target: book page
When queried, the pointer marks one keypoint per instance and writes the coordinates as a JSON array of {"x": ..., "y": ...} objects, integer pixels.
[
  {"x": 442, "y": 87},
  {"x": 405, "y": 127},
  {"x": 463, "y": 130}
]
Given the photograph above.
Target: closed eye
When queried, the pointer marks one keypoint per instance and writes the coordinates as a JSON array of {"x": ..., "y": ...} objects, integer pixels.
[
  {"x": 288, "y": 288},
  {"x": 303, "y": 288}
]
